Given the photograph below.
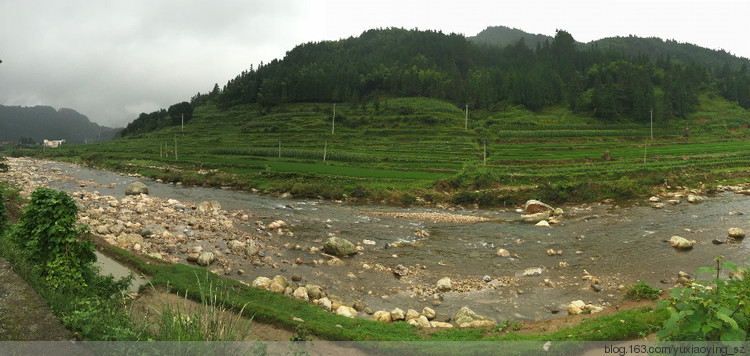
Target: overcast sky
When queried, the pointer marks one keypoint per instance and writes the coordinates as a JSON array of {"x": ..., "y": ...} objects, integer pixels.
[{"x": 112, "y": 60}]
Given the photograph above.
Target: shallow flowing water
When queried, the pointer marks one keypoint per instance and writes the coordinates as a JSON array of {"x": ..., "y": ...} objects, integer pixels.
[{"x": 614, "y": 245}]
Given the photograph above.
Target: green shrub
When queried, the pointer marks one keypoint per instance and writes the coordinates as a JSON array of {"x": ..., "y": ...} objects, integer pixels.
[
  {"x": 47, "y": 229},
  {"x": 710, "y": 310},
  {"x": 641, "y": 291},
  {"x": 96, "y": 312}
]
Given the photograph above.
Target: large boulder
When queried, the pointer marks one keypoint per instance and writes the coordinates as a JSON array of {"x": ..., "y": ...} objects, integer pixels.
[
  {"x": 262, "y": 282},
  {"x": 383, "y": 316},
  {"x": 300, "y": 294},
  {"x": 207, "y": 207},
  {"x": 206, "y": 258},
  {"x": 281, "y": 280},
  {"x": 443, "y": 285},
  {"x": 346, "y": 311},
  {"x": 535, "y": 207},
  {"x": 421, "y": 322},
  {"x": 397, "y": 314},
  {"x": 680, "y": 243},
  {"x": 136, "y": 188},
  {"x": 313, "y": 291},
  {"x": 339, "y": 247},
  {"x": 576, "y": 307},
  {"x": 467, "y": 318},
  {"x": 411, "y": 314},
  {"x": 579, "y": 307},
  {"x": 325, "y": 303},
  {"x": 736, "y": 233},
  {"x": 429, "y": 313}
]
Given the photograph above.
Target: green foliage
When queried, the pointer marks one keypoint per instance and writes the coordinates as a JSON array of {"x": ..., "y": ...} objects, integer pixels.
[
  {"x": 97, "y": 318},
  {"x": 47, "y": 229},
  {"x": 96, "y": 310},
  {"x": 3, "y": 166},
  {"x": 641, "y": 291},
  {"x": 710, "y": 310},
  {"x": 3, "y": 211}
]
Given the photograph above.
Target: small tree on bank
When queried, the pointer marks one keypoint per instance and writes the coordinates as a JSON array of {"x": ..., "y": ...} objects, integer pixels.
[{"x": 48, "y": 230}]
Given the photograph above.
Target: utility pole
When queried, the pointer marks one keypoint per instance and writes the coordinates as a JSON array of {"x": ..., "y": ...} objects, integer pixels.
[
  {"x": 279, "y": 148},
  {"x": 333, "y": 122},
  {"x": 645, "y": 144},
  {"x": 466, "y": 120},
  {"x": 652, "y": 124},
  {"x": 325, "y": 150},
  {"x": 182, "y": 126},
  {"x": 484, "y": 155},
  {"x": 175, "y": 147}
]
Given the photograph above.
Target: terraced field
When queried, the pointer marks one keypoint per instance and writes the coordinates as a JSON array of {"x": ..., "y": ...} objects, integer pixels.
[{"x": 399, "y": 149}]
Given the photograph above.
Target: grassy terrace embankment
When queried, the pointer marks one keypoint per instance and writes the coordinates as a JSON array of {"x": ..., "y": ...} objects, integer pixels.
[{"x": 402, "y": 149}]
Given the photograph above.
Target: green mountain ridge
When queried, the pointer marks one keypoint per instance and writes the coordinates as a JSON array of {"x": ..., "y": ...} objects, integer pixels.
[{"x": 654, "y": 47}]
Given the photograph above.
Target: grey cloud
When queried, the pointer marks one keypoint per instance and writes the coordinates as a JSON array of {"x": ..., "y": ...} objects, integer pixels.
[{"x": 113, "y": 60}]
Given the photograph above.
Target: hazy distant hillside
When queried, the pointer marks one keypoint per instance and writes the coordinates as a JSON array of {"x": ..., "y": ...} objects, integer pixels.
[
  {"x": 44, "y": 122},
  {"x": 505, "y": 36},
  {"x": 630, "y": 46}
]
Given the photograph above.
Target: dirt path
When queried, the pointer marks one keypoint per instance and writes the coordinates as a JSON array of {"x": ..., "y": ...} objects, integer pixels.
[{"x": 24, "y": 316}]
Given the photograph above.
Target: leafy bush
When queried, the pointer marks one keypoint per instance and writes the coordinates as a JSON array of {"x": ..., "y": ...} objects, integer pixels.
[
  {"x": 96, "y": 312},
  {"x": 473, "y": 176},
  {"x": 641, "y": 291},
  {"x": 3, "y": 165},
  {"x": 710, "y": 310},
  {"x": 47, "y": 229}
]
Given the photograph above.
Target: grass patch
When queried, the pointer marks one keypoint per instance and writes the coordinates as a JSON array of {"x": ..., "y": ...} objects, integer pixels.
[{"x": 642, "y": 291}]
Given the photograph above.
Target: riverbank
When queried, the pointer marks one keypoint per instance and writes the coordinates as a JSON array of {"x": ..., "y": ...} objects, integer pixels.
[{"x": 605, "y": 248}]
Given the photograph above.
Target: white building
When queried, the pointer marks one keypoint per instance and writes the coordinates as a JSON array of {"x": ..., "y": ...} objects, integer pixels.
[{"x": 53, "y": 143}]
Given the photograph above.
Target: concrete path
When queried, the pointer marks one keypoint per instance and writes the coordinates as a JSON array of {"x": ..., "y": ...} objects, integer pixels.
[{"x": 24, "y": 316}]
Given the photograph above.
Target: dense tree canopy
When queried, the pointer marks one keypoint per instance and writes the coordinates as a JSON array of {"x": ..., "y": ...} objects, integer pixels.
[{"x": 396, "y": 62}]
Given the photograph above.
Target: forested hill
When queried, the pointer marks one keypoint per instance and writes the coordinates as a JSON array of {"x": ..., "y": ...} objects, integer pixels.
[
  {"x": 682, "y": 52},
  {"x": 503, "y": 36},
  {"x": 34, "y": 124},
  {"x": 609, "y": 84},
  {"x": 630, "y": 46}
]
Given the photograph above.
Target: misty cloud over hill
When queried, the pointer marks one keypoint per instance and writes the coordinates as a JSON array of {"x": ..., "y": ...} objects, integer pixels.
[{"x": 44, "y": 122}]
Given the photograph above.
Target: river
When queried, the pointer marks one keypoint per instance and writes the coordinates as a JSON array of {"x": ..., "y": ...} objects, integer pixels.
[{"x": 603, "y": 244}]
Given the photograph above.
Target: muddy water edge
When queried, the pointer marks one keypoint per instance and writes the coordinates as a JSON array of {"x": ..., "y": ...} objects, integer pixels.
[{"x": 599, "y": 247}]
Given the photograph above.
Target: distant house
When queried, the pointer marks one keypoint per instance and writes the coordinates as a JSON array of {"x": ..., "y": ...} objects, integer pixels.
[{"x": 53, "y": 143}]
